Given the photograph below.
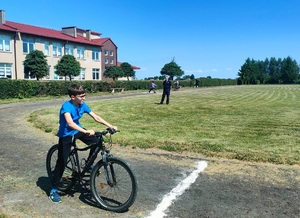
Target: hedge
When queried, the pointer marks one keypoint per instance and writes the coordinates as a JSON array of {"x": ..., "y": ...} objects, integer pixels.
[{"x": 29, "y": 88}]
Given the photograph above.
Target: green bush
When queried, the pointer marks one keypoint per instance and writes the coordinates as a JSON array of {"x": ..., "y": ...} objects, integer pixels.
[{"x": 29, "y": 88}]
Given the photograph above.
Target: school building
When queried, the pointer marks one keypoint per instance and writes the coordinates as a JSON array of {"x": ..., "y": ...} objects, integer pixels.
[{"x": 17, "y": 40}]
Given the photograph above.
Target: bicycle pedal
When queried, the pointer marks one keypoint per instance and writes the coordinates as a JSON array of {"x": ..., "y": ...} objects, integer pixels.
[{"x": 67, "y": 173}]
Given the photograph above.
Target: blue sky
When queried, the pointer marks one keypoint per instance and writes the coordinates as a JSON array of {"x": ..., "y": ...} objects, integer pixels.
[{"x": 206, "y": 38}]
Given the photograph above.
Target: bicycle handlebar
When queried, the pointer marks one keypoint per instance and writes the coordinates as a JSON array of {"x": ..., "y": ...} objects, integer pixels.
[{"x": 108, "y": 130}]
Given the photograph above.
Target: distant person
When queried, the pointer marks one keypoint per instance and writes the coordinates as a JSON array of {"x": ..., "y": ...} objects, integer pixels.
[
  {"x": 197, "y": 83},
  {"x": 176, "y": 85},
  {"x": 166, "y": 90},
  {"x": 152, "y": 87}
]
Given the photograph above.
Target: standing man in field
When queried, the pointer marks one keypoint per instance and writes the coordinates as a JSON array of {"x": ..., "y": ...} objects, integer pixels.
[{"x": 166, "y": 90}]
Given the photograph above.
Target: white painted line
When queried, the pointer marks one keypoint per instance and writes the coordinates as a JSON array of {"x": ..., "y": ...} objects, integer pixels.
[{"x": 177, "y": 191}]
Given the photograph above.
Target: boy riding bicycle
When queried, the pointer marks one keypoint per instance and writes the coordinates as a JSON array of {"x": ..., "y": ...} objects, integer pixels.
[{"x": 70, "y": 129}]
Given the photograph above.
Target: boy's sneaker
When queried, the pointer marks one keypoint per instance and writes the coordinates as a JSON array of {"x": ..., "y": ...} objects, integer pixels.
[{"x": 54, "y": 197}]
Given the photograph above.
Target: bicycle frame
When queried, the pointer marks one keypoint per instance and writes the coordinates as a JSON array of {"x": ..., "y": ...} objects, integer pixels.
[{"x": 104, "y": 154}]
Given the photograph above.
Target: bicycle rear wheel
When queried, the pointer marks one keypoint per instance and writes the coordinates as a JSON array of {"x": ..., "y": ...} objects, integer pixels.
[
  {"x": 118, "y": 194},
  {"x": 67, "y": 180}
]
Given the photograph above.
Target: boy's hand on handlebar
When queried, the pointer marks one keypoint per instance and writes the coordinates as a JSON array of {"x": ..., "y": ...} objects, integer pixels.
[
  {"x": 90, "y": 132},
  {"x": 114, "y": 127}
]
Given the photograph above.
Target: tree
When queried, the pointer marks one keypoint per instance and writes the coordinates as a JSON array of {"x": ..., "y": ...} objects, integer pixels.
[
  {"x": 113, "y": 72},
  {"x": 274, "y": 70},
  {"x": 171, "y": 69},
  {"x": 35, "y": 64},
  {"x": 249, "y": 72},
  {"x": 127, "y": 70},
  {"x": 68, "y": 66},
  {"x": 289, "y": 71}
]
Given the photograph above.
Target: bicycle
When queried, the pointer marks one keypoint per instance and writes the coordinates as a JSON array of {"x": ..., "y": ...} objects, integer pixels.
[{"x": 113, "y": 182}]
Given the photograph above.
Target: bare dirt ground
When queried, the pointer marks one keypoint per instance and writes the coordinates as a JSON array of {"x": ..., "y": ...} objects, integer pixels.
[{"x": 226, "y": 188}]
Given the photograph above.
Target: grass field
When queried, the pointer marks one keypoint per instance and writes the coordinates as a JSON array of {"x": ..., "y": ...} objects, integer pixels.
[{"x": 252, "y": 123}]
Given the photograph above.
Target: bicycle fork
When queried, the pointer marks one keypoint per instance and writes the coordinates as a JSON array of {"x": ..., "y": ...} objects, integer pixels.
[{"x": 110, "y": 182}]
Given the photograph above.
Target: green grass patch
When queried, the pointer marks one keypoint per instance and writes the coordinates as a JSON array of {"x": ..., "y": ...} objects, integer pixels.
[{"x": 251, "y": 123}]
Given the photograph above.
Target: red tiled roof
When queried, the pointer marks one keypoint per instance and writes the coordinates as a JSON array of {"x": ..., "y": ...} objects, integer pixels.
[
  {"x": 134, "y": 67},
  {"x": 101, "y": 41},
  {"x": 44, "y": 32},
  {"x": 55, "y": 34}
]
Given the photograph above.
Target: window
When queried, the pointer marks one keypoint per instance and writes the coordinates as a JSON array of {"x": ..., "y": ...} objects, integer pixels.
[
  {"x": 80, "y": 52},
  {"x": 106, "y": 60},
  {"x": 95, "y": 54},
  {"x": 5, "y": 43},
  {"x": 5, "y": 70},
  {"x": 111, "y": 61},
  {"x": 105, "y": 52},
  {"x": 95, "y": 74},
  {"x": 57, "y": 49},
  {"x": 28, "y": 45},
  {"x": 69, "y": 50},
  {"x": 46, "y": 48},
  {"x": 111, "y": 53},
  {"x": 82, "y": 74}
]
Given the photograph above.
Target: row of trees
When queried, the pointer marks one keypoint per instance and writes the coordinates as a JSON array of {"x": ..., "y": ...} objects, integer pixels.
[
  {"x": 269, "y": 71},
  {"x": 36, "y": 65}
]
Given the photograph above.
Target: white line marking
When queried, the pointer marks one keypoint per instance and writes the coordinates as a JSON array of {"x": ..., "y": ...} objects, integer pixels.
[{"x": 177, "y": 191}]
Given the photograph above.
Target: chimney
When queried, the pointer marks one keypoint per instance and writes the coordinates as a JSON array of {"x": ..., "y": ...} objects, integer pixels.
[
  {"x": 88, "y": 35},
  {"x": 71, "y": 31},
  {"x": 2, "y": 17}
]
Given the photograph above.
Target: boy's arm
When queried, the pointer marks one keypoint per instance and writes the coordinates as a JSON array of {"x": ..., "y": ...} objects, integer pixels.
[
  {"x": 101, "y": 120},
  {"x": 73, "y": 125}
]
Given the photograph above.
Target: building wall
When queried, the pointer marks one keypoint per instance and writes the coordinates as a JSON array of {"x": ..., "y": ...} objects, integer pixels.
[
  {"x": 109, "y": 47},
  {"x": 16, "y": 55}
]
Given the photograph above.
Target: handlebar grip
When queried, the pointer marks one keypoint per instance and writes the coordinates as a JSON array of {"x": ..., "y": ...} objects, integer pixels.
[{"x": 112, "y": 131}]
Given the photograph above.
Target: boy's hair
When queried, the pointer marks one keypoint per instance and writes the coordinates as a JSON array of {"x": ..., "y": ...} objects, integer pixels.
[{"x": 75, "y": 90}]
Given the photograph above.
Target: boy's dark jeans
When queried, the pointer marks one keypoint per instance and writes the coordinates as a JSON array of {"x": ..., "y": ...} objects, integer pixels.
[{"x": 64, "y": 149}]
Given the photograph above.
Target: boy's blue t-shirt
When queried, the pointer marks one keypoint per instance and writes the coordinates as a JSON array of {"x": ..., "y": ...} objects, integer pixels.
[{"x": 76, "y": 113}]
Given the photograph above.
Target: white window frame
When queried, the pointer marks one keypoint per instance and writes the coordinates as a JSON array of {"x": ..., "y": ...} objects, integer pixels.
[
  {"x": 69, "y": 49},
  {"x": 96, "y": 73},
  {"x": 28, "y": 45},
  {"x": 5, "y": 44},
  {"x": 105, "y": 52},
  {"x": 95, "y": 54},
  {"x": 106, "y": 61},
  {"x": 111, "y": 53},
  {"x": 6, "y": 70},
  {"x": 57, "y": 49},
  {"x": 111, "y": 61},
  {"x": 82, "y": 74},
  {"x": 80, "y": 52}
]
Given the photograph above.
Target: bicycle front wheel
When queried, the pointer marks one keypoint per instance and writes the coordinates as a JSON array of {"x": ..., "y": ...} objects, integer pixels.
[
  {"x": 115, "y": 188},
  {"x": 67, "y": 180}
]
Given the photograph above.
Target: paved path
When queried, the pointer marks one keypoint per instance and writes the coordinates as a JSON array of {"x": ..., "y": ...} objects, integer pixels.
[{"x": 223, "y": 189}]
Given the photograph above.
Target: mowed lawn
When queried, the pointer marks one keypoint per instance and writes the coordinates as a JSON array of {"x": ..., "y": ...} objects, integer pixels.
[{"x": 253, "y": 123}]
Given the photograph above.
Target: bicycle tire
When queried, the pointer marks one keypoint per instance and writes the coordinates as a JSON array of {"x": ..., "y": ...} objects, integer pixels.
[
  {"x": 67, "y": 180},
  {"x": 121, "y": 195}
]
